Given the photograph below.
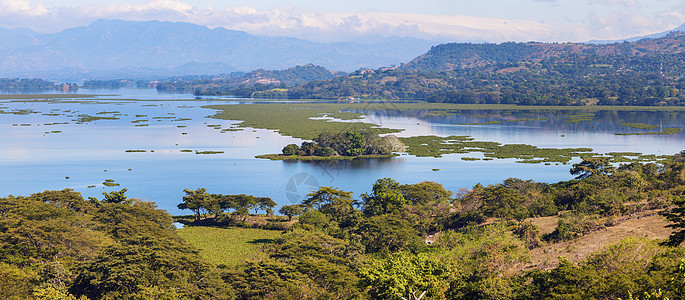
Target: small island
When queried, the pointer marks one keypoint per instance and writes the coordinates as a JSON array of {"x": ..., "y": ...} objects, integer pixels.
[{"x": 341, "y": 145}]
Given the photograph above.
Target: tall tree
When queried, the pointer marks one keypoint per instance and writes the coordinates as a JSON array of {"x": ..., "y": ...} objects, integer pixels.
[
  {"x": 199, "y": 202},
  {"x": 386, "y": 198},
  {"x": 592, "y": 166}
]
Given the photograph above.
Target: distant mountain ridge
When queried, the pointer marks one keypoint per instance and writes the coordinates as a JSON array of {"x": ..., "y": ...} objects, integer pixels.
[
  {"x": 452, "y": 56},
  {"x": 645, "y": 72},
  {"x": 128, "y": 49}
]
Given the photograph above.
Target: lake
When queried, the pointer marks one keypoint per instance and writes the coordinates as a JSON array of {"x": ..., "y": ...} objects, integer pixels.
[{"x": 82, "y": 144}]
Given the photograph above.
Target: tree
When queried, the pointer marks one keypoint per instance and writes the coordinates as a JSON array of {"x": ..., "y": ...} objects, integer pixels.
[
  {"x": 117, "y": 197},
  {"x": 243, "y": 203},
  {"x": 404, "y": 273},
  {"x": 308, "y": 148},
  {"x": 425, "y": 192},
  {"x": 324, "y": 151},
  {"x": 592, "y": 166},
  {"x": 357, "y": 143},
  {"x": 677, "y": 217},
  {"x": 199, "y": 202},
  {"x": 325, "y": 195},
  {"x": 386, "y": 198},
  {"x": 265, "y": 204},
  {"x": 388, "y": 233},
  {"x": 291, "y": 149},
  {"x": 291, "y": 211}
]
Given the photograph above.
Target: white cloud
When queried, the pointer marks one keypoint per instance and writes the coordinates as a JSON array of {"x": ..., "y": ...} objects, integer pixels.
[
  {"x": 21, "y": 7},
  {"x": 617, "y": 19}
]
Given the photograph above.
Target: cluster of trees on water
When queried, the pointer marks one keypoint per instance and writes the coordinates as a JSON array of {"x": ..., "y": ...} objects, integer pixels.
[
  {"x": 350, "y": 143},
  {"x": 398, "y": 241}
]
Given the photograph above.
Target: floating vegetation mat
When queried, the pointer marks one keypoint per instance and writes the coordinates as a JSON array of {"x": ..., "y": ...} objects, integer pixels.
[
  {"x": 110, "y": 182},
  {"x": 484, "y": 123},
  {"x": 89, "y": 118},
  {"x": 209, "y": 152},
  {"x": 666, "y": 131},
  {"x": 434, "y": 146},
  {"x": 526, "y": 120},
  {"x": 575, "y": 119},
  {"x": 639, "y": 125}
]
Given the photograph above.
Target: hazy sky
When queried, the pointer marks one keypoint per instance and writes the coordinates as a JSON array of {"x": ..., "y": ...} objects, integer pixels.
[{"x": 458, "y": 20}]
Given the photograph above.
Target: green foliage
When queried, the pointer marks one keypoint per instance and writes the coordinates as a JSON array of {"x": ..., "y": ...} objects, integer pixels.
[
  {"x": 425, "y": 192},
  {"x": 134, "y": 265},
  {"x": 676, "y": 215},
  {"x": 573, "y": 225},
  {"x": 291, "y": 211},
  {"x": 386, "y": 198},
  {"x": 303, "y": 265},
  {"x": 403, "y": 274},
  {"x": 592, "y": 166},
  {"x": 389, "y": 233},
  {"x": 197, "y": 201},
  {"x": 117, "y": 197},
  {"x": 56, "y": 245},
  {"x": 483, "y": 251},
  {"x": 16, "y": 282}
]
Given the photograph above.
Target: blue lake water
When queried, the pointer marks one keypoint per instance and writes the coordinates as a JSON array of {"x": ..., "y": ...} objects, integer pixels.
[{"x": 38, "y": 152}]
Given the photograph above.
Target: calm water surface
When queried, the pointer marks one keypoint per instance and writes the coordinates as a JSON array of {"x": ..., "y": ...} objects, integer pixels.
[{"x": 38, "y": 152}]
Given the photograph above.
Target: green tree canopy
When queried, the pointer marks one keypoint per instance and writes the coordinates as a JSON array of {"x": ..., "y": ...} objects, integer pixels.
[
  {"x": 592, "y": 166},
  {"x": 386, "y": 198}
]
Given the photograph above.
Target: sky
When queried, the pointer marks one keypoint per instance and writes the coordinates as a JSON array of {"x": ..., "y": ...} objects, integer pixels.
[{"x": 334, "y": 20}]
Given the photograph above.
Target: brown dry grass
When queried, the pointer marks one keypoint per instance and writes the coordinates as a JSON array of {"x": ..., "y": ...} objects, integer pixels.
[{"x": 648, "y": 224}]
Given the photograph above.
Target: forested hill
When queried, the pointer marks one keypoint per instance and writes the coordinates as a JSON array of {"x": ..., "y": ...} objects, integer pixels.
[
  {"x": 288, "y": 77},
  {"x": 646, "y": 72},
  {"x": 452, "y": 56}
]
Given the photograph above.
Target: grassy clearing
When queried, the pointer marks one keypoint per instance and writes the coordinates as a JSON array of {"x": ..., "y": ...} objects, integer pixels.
[{"x": 229, "y": 246}]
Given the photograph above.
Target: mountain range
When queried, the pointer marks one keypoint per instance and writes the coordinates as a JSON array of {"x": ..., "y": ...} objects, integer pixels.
[{"x": 109, "y": 49}]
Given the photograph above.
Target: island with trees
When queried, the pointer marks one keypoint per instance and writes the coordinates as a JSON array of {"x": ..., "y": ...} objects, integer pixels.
[{"x": 341, "y": 145}]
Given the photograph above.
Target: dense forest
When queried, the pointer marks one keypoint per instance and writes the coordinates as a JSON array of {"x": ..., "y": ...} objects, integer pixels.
[
  {"x": 254, "y": 80},
  {"x": 31, "y": 85},
  {"x": 647, "y": 72},
  {"x": 400, "y": 241}
]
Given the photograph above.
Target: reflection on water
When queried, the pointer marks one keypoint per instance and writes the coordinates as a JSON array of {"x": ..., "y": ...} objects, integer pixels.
[{"x": 43, "y": 143}]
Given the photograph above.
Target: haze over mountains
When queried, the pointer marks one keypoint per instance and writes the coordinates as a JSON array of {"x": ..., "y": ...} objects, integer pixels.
[
  {"x": 129, "y": 49},
  {"x": 109, "y": 49}
]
